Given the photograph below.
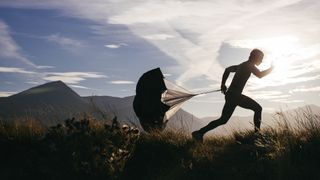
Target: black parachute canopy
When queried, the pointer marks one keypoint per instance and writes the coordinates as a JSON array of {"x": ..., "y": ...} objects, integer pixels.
[
  {"x": 157, "y": 100},
  {"x": 147, "y": 102}
]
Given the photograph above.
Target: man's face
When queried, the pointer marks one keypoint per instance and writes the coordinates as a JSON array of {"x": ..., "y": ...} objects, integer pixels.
[{"x": 258, "y": 59}]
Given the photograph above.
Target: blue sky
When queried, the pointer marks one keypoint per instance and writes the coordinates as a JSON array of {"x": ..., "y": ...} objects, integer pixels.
[{"x": 102, "y": 47}]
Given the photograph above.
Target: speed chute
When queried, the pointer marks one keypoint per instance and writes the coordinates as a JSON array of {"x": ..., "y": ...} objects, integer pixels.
[{"x": 158, "y": 99}]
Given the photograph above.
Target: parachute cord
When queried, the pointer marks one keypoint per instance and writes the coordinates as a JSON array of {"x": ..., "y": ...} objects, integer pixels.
[
  {"x": 207, "y": 92},
  {"x": 179, "y": 97},
  {"x": 191, "y": 95}
]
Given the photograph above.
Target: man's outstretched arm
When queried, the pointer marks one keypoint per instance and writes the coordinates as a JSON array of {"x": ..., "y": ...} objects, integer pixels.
[
  {"x": 225, "y": 77},
  {"x": 261, "y": 74}
]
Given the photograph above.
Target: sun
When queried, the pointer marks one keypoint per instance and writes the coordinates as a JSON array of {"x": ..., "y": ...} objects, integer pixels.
[
  {"x": 279, "y": 52},
  {"x": 286, "y": 53}
]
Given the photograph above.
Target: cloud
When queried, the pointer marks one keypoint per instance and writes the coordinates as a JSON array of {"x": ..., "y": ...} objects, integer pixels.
[
  {"x": 67, "y": 77},
  {"x": 45, "y": 67},
  {"x": 273, "y": 96},
  {"x": 267, "y": 95},
  {"x": 195, "y": 30},
  {"x": 72, "y": 77},
  {"x": 15, "y": 70},
  {"x": 80, "y": 87},
  {"x": 9, "y": 48},
  {"x": 33, "y": 82},
  {"x": 121, "y": 82},
  {"x": 6, "y": 94},
  {"x": 255, "y": 85},
  {"x": 198, "y": 28},
  {"x": 310, "y": 89},
  {"x": 65, "y": 42},
  {"x": 158, "y": 37},
  {"x": 287, "y": 101},
  {"x": 115, "y": 46}
]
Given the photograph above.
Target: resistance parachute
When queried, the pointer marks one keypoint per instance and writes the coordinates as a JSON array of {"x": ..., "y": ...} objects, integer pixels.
[{"x": 158, "y": 99}]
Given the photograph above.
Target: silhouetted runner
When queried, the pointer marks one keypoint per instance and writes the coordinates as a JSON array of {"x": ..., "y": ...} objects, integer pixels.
[{"x": 234, "y": 96}]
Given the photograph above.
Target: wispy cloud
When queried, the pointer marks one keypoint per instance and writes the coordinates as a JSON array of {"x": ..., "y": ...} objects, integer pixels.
[
  {"x": 80, "y": 87},
  {"x": 33, "y": 82},
  {"x": 288, "y": 101},
  {"x": 122, "y": 82},
  {"x": 72, "y": 77},
  {"x": 158, "y": 36},
  {"x": 115, "y": 46},
  {"x": 305, "y": 89},
  {"x": 267, "y": 95},
  {"x": 256, "y": 85},
  {"x": 45, "y": 67},
  {"x": 9, "y": 48},
  {"x": 15, "y": 70},
  {"x": 67, "y": 77},
  {"x": 65, "y": 42},
  {"x": 274, "y": 96}
]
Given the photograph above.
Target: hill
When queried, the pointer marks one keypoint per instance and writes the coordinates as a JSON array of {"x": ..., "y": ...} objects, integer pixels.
[{"x": 87, "y": 149}]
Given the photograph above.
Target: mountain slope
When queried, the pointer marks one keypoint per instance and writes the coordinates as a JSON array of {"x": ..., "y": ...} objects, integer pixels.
[{"x": 49, "y": 102}]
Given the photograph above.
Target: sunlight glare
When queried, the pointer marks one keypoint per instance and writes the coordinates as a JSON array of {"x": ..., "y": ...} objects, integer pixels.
[{"x": 279, "y": 51}]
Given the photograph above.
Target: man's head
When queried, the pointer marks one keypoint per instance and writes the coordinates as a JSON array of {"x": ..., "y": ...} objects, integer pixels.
[{"x": 256, "y": 56}]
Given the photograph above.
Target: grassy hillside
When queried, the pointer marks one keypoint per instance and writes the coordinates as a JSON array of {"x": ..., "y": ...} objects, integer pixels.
[{"x": 87, "y": 149}]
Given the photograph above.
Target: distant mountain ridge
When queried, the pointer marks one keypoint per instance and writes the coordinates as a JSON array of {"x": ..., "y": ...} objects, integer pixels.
[{"x": 53, "y": 102}]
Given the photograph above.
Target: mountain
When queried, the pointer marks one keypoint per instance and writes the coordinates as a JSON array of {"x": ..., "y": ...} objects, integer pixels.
[
  {"x": 49, "y": 102},
  {"x": 109, "y": 107},
  {"x": 53, "y": 102},
  {"x": 185, "y": 121}
]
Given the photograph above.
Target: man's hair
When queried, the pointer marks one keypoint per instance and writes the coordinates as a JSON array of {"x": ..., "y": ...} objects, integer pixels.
[{"x": 255, "y": 53}]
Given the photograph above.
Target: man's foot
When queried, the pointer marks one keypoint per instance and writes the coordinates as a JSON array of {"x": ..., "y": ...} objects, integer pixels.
[{"x": 196, "y": 135}]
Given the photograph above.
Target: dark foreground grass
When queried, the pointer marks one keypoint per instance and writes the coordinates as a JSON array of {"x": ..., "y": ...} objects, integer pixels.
[{"x": 89, "y": 150}]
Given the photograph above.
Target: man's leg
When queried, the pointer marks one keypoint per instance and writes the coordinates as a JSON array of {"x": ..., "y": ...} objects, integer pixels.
[
  {"x": 227, "y": 111},
  {"x": 248, "y": 103}
]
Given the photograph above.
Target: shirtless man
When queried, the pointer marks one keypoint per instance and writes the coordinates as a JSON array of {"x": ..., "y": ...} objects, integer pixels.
[{"x": 234, "y": 96}]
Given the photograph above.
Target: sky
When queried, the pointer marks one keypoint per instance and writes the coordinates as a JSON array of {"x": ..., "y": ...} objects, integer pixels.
[{"x": 102, "y": 47}]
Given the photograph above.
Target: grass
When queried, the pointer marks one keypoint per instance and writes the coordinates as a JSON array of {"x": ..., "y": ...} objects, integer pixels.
[{"x": 87, "y": 149}]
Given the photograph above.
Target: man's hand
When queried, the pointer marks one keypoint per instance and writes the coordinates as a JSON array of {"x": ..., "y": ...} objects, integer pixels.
[{"x": 223, "y": 88}]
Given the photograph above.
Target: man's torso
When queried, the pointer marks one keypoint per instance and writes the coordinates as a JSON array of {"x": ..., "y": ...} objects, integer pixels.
[{"x": 240, "y": 78}]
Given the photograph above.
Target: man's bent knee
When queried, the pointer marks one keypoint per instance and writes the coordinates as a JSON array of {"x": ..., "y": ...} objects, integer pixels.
[
  {"x": 258, "y": 109},
  {"x": 223, "y": 120}
]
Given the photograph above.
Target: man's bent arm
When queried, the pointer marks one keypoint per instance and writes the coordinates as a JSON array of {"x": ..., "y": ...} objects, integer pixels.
[
  {"x": 227, "y": 72},
  {"x": 261, "y": 74}
]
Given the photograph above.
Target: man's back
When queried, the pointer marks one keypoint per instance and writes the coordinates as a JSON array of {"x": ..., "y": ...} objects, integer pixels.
[{"x": 241, "y": 76}]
